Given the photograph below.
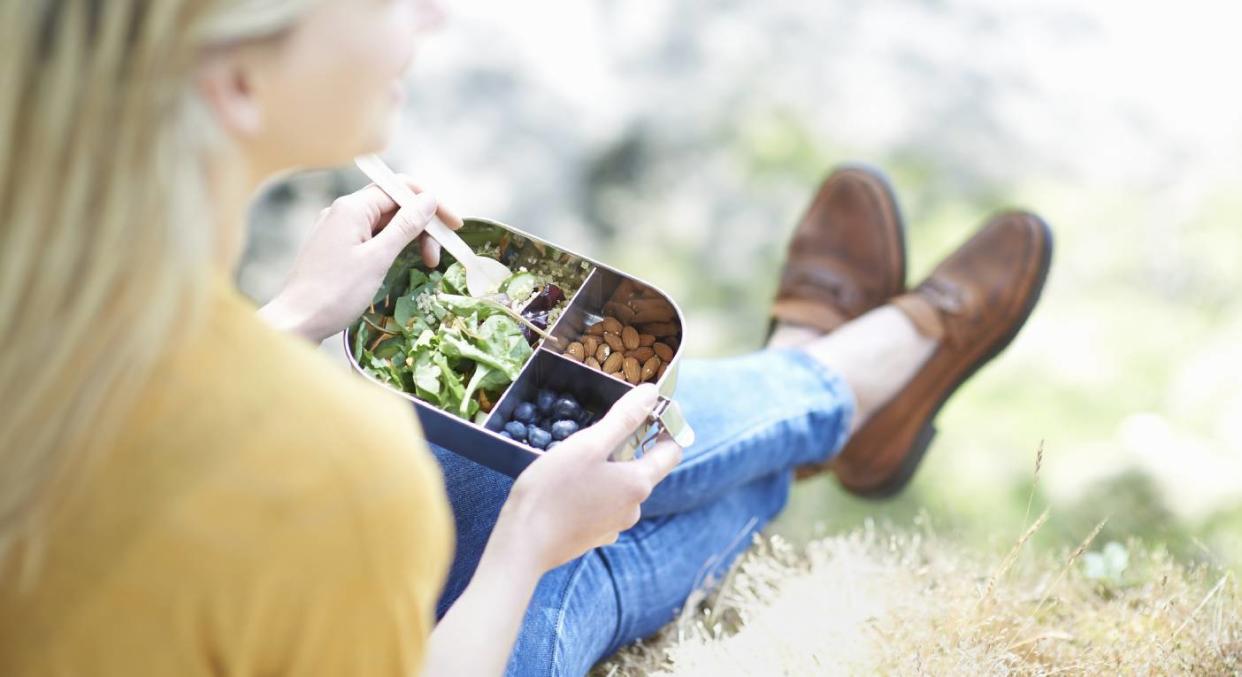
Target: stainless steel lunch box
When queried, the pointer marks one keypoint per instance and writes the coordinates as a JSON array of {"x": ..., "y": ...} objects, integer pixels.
[{"x": 547, "y": 368}]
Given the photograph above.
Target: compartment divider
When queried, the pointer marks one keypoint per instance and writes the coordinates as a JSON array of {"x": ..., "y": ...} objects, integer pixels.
[
  {"x": 502, "y": 404},
  {"x": 548, "y": 369},
  {"x": 569, "y": 323},
  {"x": 584, "y": 308},
  {"x": 541, "y": 344}
]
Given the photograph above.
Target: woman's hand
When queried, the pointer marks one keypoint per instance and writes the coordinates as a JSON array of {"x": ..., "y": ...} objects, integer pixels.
[
  {"x": 350, "y": 250},
  {"x": 568, "y": 501},
  {"x": 573, "y": 499}
]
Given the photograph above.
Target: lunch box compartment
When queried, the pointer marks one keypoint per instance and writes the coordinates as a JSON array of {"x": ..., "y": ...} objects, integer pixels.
[
  {"x": 591, "y": 306},
  {"x": 593, "y": 390},
  {"x": 547, "y": 367}
]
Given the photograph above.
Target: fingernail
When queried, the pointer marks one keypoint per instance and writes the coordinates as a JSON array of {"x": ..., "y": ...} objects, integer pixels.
[{"x": 426, "y": 205}]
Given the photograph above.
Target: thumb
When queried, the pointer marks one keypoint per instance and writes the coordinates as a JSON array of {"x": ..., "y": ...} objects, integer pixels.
[
  {"x": 659, "y": 461},
  {"x": 626, "y": 416},
  {"x": 407, "y": 224}
]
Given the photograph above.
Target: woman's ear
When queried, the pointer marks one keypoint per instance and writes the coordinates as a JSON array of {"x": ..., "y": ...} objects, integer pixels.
[{"x": 226, "y": 83}]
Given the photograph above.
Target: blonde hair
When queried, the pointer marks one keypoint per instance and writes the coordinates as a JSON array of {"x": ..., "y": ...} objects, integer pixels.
[{"x": 106, "y": 238}]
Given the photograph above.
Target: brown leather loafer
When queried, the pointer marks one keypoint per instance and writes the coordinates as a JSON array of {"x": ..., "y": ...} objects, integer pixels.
[
  {"x": 973, "y": 303},
  {"x": 847, "y": 255}
]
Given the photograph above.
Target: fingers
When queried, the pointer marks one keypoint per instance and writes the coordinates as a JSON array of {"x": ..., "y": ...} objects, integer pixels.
[
  {"x": 378, "y": 211},
  {"x": 430, "y": 251},
  {"x": 658, "y": 461},
  {"x": 406, "y": 225},
  {"x": 626, "y": 416},
  {"x": 448, "y": 216},
  {"x": 369, "y": 204}
]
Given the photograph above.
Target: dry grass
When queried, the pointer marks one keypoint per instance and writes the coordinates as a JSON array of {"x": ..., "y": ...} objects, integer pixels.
[{"x": 882, "y": 601}]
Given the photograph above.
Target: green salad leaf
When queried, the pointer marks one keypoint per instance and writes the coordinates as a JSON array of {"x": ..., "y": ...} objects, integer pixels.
[{"x": 445, "y": 347}]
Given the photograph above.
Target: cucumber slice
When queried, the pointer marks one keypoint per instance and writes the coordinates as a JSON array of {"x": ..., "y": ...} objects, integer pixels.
[{"x": 520, "y": 286}]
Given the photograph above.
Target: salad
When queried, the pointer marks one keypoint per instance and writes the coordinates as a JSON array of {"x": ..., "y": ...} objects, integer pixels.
[{"x": 425, "y": 335}]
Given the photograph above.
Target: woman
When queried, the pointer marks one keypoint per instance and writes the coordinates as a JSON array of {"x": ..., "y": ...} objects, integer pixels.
[{"x": 187, "y": 488}]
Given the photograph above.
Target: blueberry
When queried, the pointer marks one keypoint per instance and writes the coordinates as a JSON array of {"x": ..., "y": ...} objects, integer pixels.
[
  {"x": 544, "y": 401},
  {"x": 585, "y": 419},
  {"x": 517, "y": 430},
  {"x": 505, "y": 434},
  {"x": 525, "y": 412},
  {"x": 563, "y": 429},
  {"x": 553, "y": 445},
  {"x": 540, "y": 438},
  {"x": 566, "y": 407}
]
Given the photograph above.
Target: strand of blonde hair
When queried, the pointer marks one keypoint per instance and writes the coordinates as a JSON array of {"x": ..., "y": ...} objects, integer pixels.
[{"x": 106, "y": 234}]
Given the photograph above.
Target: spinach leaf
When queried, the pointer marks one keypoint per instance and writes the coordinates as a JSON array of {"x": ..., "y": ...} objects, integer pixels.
[
  {"x": 362, "y": 336},
  {"x": 427, "y": 381},
  {"x": 395, "y": 280},
  {"x": 466, "y": 305},
  {"x": 455, "y": 345},
  {"x": 406, "y": 310},
  {"x": 454, "y": 390},
  {"x": 454, "y": 280}
]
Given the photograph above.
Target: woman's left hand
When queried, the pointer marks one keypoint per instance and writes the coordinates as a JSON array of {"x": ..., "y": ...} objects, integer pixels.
[{"x": 344, "y": 262}]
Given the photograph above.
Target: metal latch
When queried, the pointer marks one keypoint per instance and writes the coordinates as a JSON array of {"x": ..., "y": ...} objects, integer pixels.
[{"x": 666, "y": 418}]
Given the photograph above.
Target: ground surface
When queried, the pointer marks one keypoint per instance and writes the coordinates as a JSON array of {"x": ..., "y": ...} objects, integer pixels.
[{"x": 909, "y": 603}]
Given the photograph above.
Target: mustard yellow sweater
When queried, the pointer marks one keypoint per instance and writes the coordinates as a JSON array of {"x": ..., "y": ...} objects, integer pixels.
[{"x": 263, "y": 512}]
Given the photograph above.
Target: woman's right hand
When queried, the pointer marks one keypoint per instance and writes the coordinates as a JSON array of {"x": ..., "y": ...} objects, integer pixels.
[
  {"x": 568, "y": 501},
  {"x": 574, "y": 499}
]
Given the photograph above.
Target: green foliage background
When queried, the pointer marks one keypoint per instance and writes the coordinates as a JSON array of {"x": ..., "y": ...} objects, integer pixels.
[{"x": 682, "y": 141}]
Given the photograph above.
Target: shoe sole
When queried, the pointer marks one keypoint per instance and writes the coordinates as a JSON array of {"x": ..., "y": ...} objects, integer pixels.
[{"x": 905, "y": 471}]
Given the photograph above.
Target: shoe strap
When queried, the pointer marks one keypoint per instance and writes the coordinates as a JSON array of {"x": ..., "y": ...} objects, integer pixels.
[
  {"x": 807, "y": 313},
  {"x": 930, "y": 305},
  {"x": 923, "y": 315},
  {"x": 816, "y": 292}
]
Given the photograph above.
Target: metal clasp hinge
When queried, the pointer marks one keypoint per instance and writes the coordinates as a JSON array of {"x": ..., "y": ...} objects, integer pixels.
[{"x": 666, "y": 418}]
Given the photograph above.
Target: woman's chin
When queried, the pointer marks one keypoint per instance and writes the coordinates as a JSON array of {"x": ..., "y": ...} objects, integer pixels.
[{"x": 381, "y": 137}]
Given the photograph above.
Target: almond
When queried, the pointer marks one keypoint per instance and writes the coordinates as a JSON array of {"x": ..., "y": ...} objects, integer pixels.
[
  {"x": 651, "y": 368},
  {"x": 646, "y": 340},
  {"x": 614, "y": 363},
  {"x": 664, "y": 351},
  {"x": 632, "y": 370},
  {"x": 612, "y": 325},
  {"x": 629, "y": 337},
  {"x": 623, "y": 312},
  {"x": 590, "y": 344},
  {"x": 624, "y": 291},
  {"x": 576, "y": 351},
  {"x": 593, "y": 363},
  {"x": 614, "y": 342},
  {"x": 603, "y": 352},
  {"x": 652, "y": 310},
  {"x": 640, "y": 354},
  {"x": 661, "y": 329},
  {"x": 596, "y": 329}
]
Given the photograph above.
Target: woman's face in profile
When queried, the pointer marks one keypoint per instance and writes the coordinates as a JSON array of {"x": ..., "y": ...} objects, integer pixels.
[{"x": 331, "y": 89}]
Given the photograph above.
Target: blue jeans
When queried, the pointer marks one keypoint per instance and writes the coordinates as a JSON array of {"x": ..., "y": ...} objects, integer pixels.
[{"x": 757, "y": 417}]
